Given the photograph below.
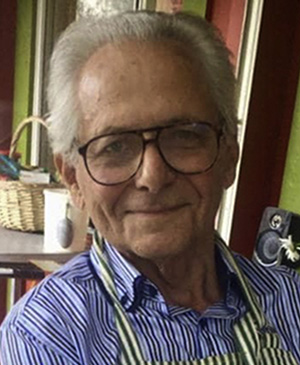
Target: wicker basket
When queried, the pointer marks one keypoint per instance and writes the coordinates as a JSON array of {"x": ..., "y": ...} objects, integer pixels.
[{"x": 22, "y": 205}]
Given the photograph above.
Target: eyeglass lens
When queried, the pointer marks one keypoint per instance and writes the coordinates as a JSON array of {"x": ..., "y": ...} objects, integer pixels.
[{"x": 188, "y": 148}]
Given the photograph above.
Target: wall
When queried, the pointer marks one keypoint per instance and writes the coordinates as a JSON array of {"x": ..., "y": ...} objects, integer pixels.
[
  {"x": 8, "y": 10},
  {"x": 228, "y": 17},
  {"x": 269, "y": 122},
  {"x": 290, "y": 192},
  {"x": 7, "y": 43}
]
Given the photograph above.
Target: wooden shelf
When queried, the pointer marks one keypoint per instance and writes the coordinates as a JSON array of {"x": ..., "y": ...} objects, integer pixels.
[{"x": 18, "y": 246}]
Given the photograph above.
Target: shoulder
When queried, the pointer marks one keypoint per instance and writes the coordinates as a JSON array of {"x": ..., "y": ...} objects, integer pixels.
[
  {"x": 60, "y": 307},
  {"x": 278, "y": 293},
  {"x": 282, "y": 280},
  {"x": 58, "y": 289}
]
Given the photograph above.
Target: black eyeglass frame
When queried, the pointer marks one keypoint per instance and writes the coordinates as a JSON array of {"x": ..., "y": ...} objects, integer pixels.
[{"x": 140, "y": 132}]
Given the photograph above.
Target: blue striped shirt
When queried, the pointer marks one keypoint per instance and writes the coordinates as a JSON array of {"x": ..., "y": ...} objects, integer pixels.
[{"x": 69, "y": 319}]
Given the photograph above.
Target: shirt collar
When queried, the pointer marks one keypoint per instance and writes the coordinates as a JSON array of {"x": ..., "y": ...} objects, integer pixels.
[
  {"x": 231, "y": 306},
  {"x": 132, "y": 286},
  {"x": 129, "y": 282}
]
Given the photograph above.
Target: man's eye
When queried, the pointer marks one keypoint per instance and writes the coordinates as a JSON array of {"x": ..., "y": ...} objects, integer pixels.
[
  {"x": 108, "y": 147},
  {"x": 186, "y": 138},
  {"x": 185, "y": 135},
  {"x": 114, "y": 147}
]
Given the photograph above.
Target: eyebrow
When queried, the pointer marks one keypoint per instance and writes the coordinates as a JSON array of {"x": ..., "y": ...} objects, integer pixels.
[{"x": 163, "y": 123}]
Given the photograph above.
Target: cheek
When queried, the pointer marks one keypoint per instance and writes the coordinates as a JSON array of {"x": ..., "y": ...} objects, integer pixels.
[
  {"x": 101, "y": 202},
  {"x": 209, "y": 188}
]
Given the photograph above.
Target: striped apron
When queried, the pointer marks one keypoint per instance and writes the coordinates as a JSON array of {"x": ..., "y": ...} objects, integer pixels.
[{"x": 256, "y": 344}]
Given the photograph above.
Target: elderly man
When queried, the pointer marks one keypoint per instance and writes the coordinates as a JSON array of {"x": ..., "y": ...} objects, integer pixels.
[{"x": 143, "y": 128}]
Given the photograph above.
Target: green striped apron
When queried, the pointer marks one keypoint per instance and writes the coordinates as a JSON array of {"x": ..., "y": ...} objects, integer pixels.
[{"x": 254, "y": 345}]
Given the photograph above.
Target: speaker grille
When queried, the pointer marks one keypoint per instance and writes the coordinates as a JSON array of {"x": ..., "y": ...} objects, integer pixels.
[{"x": 268, "y": 248}]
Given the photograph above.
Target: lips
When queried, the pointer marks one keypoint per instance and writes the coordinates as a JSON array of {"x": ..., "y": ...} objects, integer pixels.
[{"x": 155, "y": 210}]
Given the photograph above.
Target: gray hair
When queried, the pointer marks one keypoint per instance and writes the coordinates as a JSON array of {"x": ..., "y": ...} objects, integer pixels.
[{"x": 83, "y": 37}]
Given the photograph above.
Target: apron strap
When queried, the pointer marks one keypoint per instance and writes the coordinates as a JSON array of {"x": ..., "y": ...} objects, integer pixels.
[
  {"x": 249, "y": 295},
  {"x": 247, "y": 340},
  {"x": 131, "y": 353},
  {"x": 246, "y": 330}
]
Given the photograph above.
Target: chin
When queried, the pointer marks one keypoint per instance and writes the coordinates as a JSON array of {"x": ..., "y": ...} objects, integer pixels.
[{"x": 158, "y": 246}]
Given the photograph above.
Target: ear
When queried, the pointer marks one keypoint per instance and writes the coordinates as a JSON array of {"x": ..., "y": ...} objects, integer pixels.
[
  {"x": 67, "y": 172},
  {"x": 232, "y": 156}
]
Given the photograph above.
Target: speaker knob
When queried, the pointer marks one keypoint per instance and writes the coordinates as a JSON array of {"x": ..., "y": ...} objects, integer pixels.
[{"x": 276, "y": 221}]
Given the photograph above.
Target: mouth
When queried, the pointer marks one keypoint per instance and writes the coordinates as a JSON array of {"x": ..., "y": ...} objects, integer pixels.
[{"x": 156, "y": 210}]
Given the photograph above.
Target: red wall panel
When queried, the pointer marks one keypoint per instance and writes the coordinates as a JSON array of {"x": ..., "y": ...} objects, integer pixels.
[
  {"x": 269, "y": 122},
  {"x": 228, "y": 17},
  {"x": 7, "y": 46}
]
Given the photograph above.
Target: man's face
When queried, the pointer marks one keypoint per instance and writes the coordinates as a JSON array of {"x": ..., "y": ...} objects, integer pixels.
[{"x": 158, "y": 212}]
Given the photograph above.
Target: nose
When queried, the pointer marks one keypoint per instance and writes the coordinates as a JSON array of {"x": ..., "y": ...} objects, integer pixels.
[{"x": 154, "y": 174}]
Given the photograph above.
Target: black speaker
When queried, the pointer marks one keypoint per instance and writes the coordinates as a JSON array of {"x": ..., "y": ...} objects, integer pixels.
[{"x": 276, "y": 224}]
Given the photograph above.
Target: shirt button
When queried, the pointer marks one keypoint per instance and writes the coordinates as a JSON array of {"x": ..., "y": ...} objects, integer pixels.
[
  {"x": 202, "y": 323},
  {"x": 124, "y": 299},
  {"x": 152, "y": 291}
]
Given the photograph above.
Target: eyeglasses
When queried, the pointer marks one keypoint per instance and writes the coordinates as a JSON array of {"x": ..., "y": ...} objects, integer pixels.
[{"x": 187, "y": 148}]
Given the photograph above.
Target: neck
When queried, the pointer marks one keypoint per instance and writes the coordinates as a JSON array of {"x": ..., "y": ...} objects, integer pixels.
[{"x": 187, "y": 280}]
